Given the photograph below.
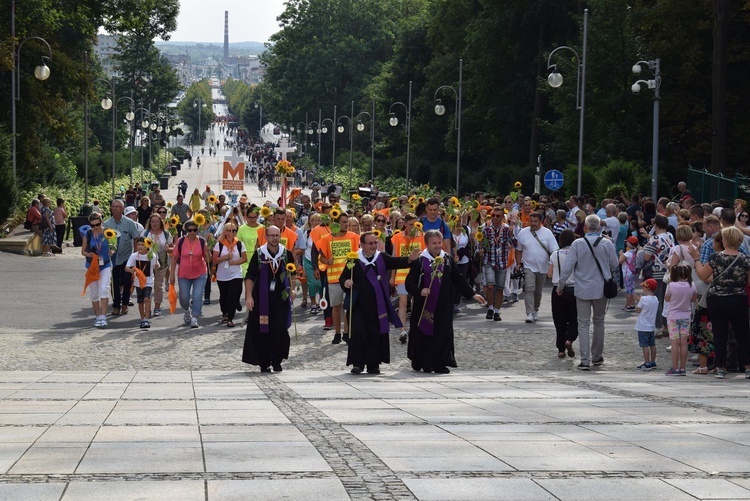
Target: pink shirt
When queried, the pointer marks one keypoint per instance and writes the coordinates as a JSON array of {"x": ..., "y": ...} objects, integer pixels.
[
  {"x": 192, "y": 263},
  {"x": 681, "y": 295}
]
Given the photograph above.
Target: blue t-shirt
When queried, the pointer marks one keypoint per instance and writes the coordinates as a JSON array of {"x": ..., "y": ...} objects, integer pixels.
[
  {"x": 439, "y": 225},
  {"x": 100, "y": 246}
]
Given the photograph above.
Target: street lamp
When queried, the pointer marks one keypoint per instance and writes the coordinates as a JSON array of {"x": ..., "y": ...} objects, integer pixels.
[
  {"x": 440, "y": 110},
  {"x": 41, "y": 72},
  {"x": 107, "y": 104},
  {"x": 340, "y": 129},
  {"x": 653, "y": 84},
  {"x": 142, "y": 122},
  {"x": 324, "y": 130},
  {"x": 360, "y": 128},
  {"x": 259, "y": 107},
  {"x": 198, "y": 103},
  {"x": 394, "y": 122},
  {"x": 310, "y": 130},
  {"x": 129, "y": 116},
  {"x": 299, "y": 131},
  {"x": 555, "y": 80}
]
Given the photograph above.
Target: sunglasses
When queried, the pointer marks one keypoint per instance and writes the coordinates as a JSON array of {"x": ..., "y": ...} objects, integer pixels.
[
  {"x": 192, "y": 230},
  {"x": 497, "y": 215},
  {"x": 231, "y": 231},
  {"x": 161, "y": 212},
  {"x": 380, "y": 220},
  {"x": 96, "y": 225}
]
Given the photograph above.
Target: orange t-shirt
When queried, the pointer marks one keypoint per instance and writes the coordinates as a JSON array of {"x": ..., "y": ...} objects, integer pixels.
[
  {"x": 402, "y": 247},
  {"x": 288, "y": 238},
  {"x": 337, "y": 248}
]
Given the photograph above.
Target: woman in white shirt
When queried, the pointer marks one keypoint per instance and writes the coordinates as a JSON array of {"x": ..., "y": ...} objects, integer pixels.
[
  {"x": 228, "y": 257},
  {"x": 564, "y": 311}
]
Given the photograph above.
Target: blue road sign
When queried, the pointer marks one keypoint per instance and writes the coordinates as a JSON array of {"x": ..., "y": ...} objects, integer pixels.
[{"x": 553, "y": 179}]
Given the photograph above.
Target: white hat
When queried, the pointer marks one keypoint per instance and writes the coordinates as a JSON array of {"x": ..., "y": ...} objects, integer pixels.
[{"x": 129, "y": 210}]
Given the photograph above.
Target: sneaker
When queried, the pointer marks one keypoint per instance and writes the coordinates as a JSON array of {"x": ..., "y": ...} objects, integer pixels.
[
  {"x": 672, "y": 372},
  {"x": 489, "y": 315},
  {"x": 644, "y": 367},
  {"x": 345, "y": 337},
  {"x": 314, "y": 310},
  {"x": 651, "y": 365},
  {"x": 721, "y": 374},
  {"x": 143, "y": 324},
  {"x": 124, "y": 310},
  {"x": 597, "y": 363},
  {"x": 336, "y": 338},
  {"x": 456, "y": 309},
  {"x": 207, "y": 301},
  {"x": 536, "y": 316},
  {"x": 403, "y": 337},
  {"x": 583, "y": 367},
  {"x": 166, "y": 287},
  {"x": 328, "y": 325},
  {"x": 157, "y": 312},
  {"x": 186, "y": 317},
  {"x": 496, "y": 317},
  {"x": 193, "y": 323},
  {"x": 98, "y": 322},
  {"x": 103, "y": 322},
  {"x": 514, "y": 297},
  {"x": 530, "y": 318},
  {"x": 682, "y": 372},
  {"x": 116, "y": 311}
]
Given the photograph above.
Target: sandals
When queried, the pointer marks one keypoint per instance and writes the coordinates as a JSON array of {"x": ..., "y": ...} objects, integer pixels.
[
  {"x": 701, "y": 370},
  {"x": 230, "y": 323},
  {"x": 561, "y": 354}
]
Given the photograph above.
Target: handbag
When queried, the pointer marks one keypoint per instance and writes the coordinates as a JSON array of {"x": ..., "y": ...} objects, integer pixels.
[
  {"x": 703, "y": 301},
  {"x": 610, "y": 287}
]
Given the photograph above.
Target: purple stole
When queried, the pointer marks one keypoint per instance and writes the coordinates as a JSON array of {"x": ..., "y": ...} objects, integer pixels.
[
  {"x": 428, "y": 314},
  {"x": 380, "y": 285},
  {"x": 265, "y": 280}
]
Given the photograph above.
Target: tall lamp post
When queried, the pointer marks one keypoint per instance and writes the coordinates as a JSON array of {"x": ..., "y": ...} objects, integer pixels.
[
  {"x": 198, "y": 103},
  {"x": 259, "y": 107},
  {"x": 653, "y": 84},
  {"x": 324, "y": 130},
  {"x": 107, "y": 103},
  {"x": 360, "y": 128},
  {"x": 555, "y": 80},
  {"x": 142, "y": 122},
  {"x": 41, "y": 72},
  {"x": 299, "y": 131},
  {"x": 310, "y": 131},
  {"x": 340, "y": 129},
  {"x": 394, "y": 122},
  {"x": 129, "y": 116},
  {"x": 440, "y": 110}
]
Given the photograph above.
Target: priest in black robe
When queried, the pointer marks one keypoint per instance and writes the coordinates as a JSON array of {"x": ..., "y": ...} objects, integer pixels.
[
  {"x": 269, "y": 292},
  {"x": 431, "y": 281},
  {"x": 365, "y": 280}
]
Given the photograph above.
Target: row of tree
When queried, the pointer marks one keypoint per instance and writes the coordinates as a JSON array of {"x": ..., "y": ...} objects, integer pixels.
[
  {"x": 329, "y": 53},
  {"x": 50, "y": 114}
]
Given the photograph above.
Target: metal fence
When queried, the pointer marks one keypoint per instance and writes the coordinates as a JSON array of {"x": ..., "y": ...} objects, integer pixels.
[{"x": 707, "y": 186}]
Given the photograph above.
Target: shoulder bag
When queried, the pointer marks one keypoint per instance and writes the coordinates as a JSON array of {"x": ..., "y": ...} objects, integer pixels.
[{"x": 610, "y": 287}]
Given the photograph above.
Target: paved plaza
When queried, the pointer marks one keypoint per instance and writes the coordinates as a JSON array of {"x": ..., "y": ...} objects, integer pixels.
[{"x": 171, "y": 413}]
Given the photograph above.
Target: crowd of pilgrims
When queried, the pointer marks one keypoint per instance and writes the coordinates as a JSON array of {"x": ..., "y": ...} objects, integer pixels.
[{"x": 408, "y": 261}]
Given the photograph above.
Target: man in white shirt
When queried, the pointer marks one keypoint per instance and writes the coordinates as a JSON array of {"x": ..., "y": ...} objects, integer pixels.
[
  {"x": 535, "y": 244},
  {"x": 572, "y": 204},
  {"x": 610, "y": 224}
]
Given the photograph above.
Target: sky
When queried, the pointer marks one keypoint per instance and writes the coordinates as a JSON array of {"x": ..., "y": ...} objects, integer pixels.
[{"x": 249, "y": 20}]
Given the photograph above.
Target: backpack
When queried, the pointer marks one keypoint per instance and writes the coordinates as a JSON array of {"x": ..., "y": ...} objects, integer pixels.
[
  {"x": 239, "y": 247},
  {"x": 631, "y": 263},
  {"x": 643, "y": 267},
  {"x": 182, "y": 240}
]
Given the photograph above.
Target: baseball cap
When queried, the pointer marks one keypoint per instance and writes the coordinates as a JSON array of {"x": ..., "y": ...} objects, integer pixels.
[
  {"x": 649, "y": 284},
  {"x": 632, "y": 240},
  {"x": 129, "y": 210}
]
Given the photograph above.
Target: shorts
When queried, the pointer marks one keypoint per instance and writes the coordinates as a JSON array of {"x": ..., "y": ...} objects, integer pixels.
[
  {"x": 646, "y": 339},
  {"x": 143, "y": 294},
  {"x": 678, "y": 328},
  {"x": 335, "y": 294},
  {"x": 493, "y": 277},
  {"x": 629, "y": 284},
  {"x": 401, "y": 289}
]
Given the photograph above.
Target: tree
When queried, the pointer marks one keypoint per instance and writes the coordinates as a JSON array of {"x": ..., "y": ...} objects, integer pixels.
[{"x": 199, "y": 92}]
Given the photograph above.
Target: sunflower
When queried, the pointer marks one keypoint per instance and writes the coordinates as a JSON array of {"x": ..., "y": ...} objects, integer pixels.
[
  {"x": 265, "y": 212},
  {"x": 212, "y": 199},
  {"x": 293, "y": 211},
  {"x": 534, "y": 203},
  {"x": 199, "y": 219},
  {"x": 291, "y": 268},
  {"x": 426, "y": 186},
  {"x": 438, "y": 260},
  {"x": 475, "y": 204},
  {"x": 169, "y": 205},
  {"x": 337, "y": 206},
  {"x": 418, "y": 226},
  {"x": 396, "y": 232},
  {"x": 148, "y": 243},
  {"x": 352, "y": 255},
  {"x": 479, "y": 236},
  {"x": 174, "y": 220},
  {"x": 335, "y": 214},
  {"x": 109, "y": 234},
  {"x": 356, "y": 197},
  {"x": 517, "y": 185},
  {"x": 411, "y": 199},
  {"x": 420, "y": 200},
  {"x": 392, "y": 200},
  {"x": 376, "y": 233}
]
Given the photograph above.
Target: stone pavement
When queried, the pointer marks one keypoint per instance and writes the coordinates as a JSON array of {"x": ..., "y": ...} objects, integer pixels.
[{"x": 172, "y": 413}]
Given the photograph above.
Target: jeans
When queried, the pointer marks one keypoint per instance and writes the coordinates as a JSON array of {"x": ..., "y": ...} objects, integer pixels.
[
  {"x": 197, "y": 284},
  {"x": 596, "y": 349},
  {"x": 121, "y": 278},
  {"x": 533, "y": 285}
]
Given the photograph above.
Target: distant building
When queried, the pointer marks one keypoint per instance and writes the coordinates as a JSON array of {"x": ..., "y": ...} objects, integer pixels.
[{"x": 106, "y": 50}]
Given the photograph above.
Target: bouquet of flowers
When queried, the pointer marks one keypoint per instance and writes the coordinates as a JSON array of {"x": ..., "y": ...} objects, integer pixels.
[{"x": 284, "y": 167}]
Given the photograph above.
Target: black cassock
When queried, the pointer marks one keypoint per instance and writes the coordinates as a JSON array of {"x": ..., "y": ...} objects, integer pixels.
[
  {"x": 429, "y": 353},
  {"x": 368, "y": 345},
  {"x": 266, "y": 348}
]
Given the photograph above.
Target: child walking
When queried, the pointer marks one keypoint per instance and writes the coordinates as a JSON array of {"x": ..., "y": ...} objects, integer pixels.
[
  {"x": 647, "y": 306},
  {"x": 627, "y": 262},
  {"x": 140, "y": 260},
  {"x": 681, "y": 294}
]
